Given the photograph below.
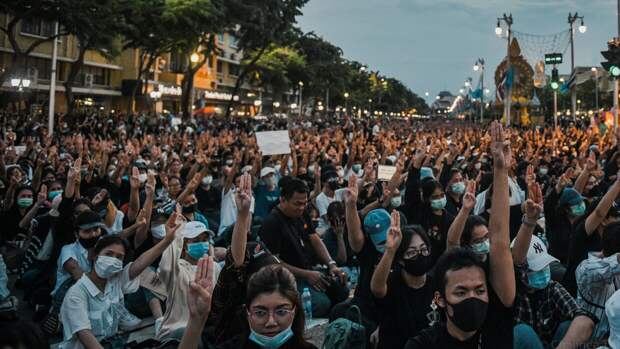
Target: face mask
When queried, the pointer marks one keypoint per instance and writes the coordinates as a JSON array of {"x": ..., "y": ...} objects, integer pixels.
[
  {"x": 482, "y": 247},
  {"x": 418, "y": 266},
  {"x": 159, "y": 231},
  {"x": 543, "y": 171},
  {"x": 458, "y": 188},
  {"x": 106, "y": 266},
  {"x": 396, "y": 201},
  {"x": 229, "y": 162},
  {"x": 271, "y": 342},
  {"x": 439, "y": 204},
  {"x": 24, "y": 202},
  {"x": 198, "y": 249},
  {"x": 189, "y": 209},
  {"x": 356, "y": 168},
  {"x": 340, "y": 173},
  {"x": 88, "y": 243},
  {"x": 142, "y": 177},
  {"x": 578, "y": 210},
  {"x": 469, "y": 315},
  {"x": 311, "y": 169},
  {"x": 478, "y": 166},
  {"x": 53, "y": 194},
  {"x": 271, "y": 181},
  {"x": 539, "y": 280},
  {"x": 207, "y": 180}
]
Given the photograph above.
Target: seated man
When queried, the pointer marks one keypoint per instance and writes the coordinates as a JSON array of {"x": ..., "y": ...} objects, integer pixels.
[{"x": 291, "y": 238}]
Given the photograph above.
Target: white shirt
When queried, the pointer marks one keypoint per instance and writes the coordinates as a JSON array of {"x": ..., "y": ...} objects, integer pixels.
[
  {"x": 86, "y": 307},
  {"x": 117, "y": 226},
  {"x": 228, "y": 211},
  {"x": 517, "y": 196},
  {"x": 322, "y": 203},
  {"x": 73, "y": 251}
]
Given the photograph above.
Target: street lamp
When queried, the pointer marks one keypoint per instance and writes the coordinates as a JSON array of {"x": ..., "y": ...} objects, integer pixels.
[
  {"x": 595, "y": 71},
  {"x": 479, "y": 65},
  {"x": 301, "y": 90},
  {"x": 498, "y": 30},
  {"x": 572, "y": 18},
  {"x": 194, "y": 58}
]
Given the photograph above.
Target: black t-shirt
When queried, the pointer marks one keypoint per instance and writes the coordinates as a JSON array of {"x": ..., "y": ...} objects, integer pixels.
[
  {"x": 580, "y": 245},
  {"x": 403, "y": 311},
  {"x": 438, "y": 233},
  {"x": 368, "y": 259},
  {"x": 288, "y": 238},
  {"x": 496, "y": 332},
  {"x": 209, "y": 200}
]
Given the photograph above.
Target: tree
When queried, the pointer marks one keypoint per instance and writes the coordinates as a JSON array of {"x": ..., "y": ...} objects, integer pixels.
[
  {"x": 278, "y": 68},
  {"x": 18, "y": 11},
  {"x": 97, "y": 25},
  {"x": 257, "y": 24}
]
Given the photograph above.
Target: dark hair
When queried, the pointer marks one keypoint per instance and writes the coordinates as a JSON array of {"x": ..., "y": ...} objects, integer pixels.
[
  {"x": 108, "y": 240},
  {"x": 295, "y": 185},
  {"x": 610, "y": 239},
  {"x": 335, "y": 210},
  {"x": 81, "y": 201},
  {"x": 276, "y": 278},
  {"x": 23, "y": 334},
  {"x": 453, "y": 260},
  {"x": 429, "y": 185},
  {"x": 408, "y": 233},
  {"x": 471, "y": 223}
]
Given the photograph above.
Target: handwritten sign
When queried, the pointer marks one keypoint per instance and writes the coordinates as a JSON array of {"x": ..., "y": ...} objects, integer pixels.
[
  {"x": 274, "y": 142},
  {"x": 385, "y": 173}
]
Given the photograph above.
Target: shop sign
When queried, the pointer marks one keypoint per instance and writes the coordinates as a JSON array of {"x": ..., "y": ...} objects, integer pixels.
[
  {"x": 170, "y": 90},
  {"x": 222, "y": 96}
]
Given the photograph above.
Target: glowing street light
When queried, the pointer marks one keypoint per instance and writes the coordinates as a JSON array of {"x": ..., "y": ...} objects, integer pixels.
[{"x": 194, "y": 58}]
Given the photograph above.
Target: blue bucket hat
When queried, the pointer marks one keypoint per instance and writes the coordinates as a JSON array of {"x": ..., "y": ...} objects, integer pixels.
[
  {"x": 570, "y": 197},
  {"x": 426, "y": 172},
  {"x": 376, "y": 224}
]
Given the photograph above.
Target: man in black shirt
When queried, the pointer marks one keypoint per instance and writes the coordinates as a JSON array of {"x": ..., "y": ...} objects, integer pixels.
[{"x": 292, "y": 239}]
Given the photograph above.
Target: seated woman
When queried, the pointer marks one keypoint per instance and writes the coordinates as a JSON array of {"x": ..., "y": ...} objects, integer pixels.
[
  {"x": 93, "y": 308},
  {"x": 274, "y": 311}
]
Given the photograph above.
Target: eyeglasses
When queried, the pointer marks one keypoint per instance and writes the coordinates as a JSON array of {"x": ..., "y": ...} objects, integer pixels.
[
  {"x": 415, "y": 253},
  {"x": 280, "y": 315}
]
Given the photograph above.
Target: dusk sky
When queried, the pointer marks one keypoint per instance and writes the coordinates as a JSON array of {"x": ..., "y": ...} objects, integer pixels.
[{"x": 431, "y": 45}]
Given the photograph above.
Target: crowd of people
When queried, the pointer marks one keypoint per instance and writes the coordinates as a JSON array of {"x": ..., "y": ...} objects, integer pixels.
[{"x": 483, "y": 237}]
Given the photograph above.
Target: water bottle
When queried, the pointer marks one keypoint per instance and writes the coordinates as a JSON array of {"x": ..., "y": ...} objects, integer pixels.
[{"x": 306, "y": 300}]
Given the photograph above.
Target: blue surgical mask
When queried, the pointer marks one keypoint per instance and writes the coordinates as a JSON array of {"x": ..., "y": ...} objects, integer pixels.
[
  {"x": 579, "y": 209},
  {"x": 356, "y": 168},
  {"x": 53, "y": 194},
  {"x": 458, "y": 188},
  {"x": 439, "y": 204},
  {"x": 481, "y": 247},
  {"x": 538, "y": 280},
  {"x": 197, "y": 250},
  {"x": 271, "y": 342}
]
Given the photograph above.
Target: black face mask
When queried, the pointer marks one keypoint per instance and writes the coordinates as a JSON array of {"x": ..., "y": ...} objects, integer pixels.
[
  {"x": 88, "y": 243},
  {"x": 333, "y": 185},
  {"x": 418, "y": 266},
  {"x": 189, "y": 209},
  {"x": 469, "y": 315}
]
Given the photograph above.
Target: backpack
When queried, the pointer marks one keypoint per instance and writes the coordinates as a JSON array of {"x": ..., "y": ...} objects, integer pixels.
[{"x": 344, "y": 333}]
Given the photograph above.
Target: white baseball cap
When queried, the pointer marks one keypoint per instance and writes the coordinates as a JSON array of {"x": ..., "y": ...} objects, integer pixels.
[
  {"x": 193, "y": 229},
  {"x": 537, "y": 256},
  {"x": 612, "y": 310},
  {"x": 266, "y": 171}
]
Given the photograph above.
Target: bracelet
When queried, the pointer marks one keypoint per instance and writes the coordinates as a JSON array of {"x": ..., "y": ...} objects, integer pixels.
[
  {"x": 527, "y": 223},
  {"x": 332, "y": 262}
]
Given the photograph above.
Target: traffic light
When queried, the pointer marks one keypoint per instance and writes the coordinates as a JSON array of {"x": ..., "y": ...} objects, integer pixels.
[
  {"x": 612, "y": 55},
  {"x": 555, "y": 79}
]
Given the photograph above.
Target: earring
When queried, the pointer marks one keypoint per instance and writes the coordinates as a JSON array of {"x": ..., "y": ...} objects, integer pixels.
[{"x": 433, "y": 317}]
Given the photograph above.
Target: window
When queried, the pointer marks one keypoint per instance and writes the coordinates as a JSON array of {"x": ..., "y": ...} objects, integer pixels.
[
  {"x": 100, "y": 76},
  {"x": 220, "y": 39},
  {"x": 220, "y": 68},
  {"x": 37, "y": 27},
  {"x": 234, "y": 42},
  {"x": 233, "y": 70}
]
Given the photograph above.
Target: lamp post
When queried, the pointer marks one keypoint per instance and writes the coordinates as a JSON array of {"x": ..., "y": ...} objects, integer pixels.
[
  {"x": 301, "y": 91},
  {"x": 595, "y": 71},
  {"x": 346, "y": 102},
  {"x": 193, "y": 58},
  {"x": 479, "y": 65},
  {"x": 52, "y": 103},
  {"x": 508, "y": 94},
  {"x": 582, "y": 29}
]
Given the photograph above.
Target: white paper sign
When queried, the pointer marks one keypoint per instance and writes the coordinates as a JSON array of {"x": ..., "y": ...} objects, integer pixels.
[
  {"x": 20, "y": 149},
  {"x": 385, "y": 173},
  {"x": 274, "y": 142}
]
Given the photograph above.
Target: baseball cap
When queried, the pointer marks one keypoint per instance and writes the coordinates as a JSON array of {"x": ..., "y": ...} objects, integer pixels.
[
  {"x": 376, "y": 224},
  {"x": 193, "y": 229},
  {"x": 571, "y": 197},
  {"x": 88, "y": 220},
  {"x": 537, "y": 256},
  {"x": 612, "y": 310},
  {"x": 265, "y": 171},
  {"x": 54, "y": 212}
]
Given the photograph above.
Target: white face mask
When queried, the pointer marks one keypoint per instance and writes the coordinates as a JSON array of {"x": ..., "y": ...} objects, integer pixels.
[
  {"x": 159, "y": 231},
  {"x": 142, "y": 177},
  {"x": 396, "y": 201},
  {"x": 106, "y": 266},
  {"x": 207, "y": 180}
]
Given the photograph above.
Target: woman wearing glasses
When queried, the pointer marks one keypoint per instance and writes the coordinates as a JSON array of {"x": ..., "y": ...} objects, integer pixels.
[
  {"x": 405, "y": 294},
  {"x": 274, "y": 312}
]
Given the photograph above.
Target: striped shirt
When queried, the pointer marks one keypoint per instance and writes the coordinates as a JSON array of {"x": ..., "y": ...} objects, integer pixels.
[{"x": 597, "y": 278}]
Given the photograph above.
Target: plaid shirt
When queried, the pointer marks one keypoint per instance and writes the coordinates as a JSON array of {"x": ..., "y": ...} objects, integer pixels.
[{"x": 544, "y": 310}]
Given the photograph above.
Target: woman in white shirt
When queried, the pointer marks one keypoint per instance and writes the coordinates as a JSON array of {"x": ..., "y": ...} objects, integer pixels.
[{"x": 93, "y": 307}]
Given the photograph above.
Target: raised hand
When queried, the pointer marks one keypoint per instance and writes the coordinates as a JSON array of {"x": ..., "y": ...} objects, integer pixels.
[
  {"x": 530, "y": 176},
  {"x": 565, "y": 180},
  {"x": 502, "y": 156},
  {"x": 175, "y": 221},
  {"x": 469, "y": 199},
  {"x": 351, "y": 194},
  {"x": 534, "y": 203},
  {"x": 243, "y": 195},
  {"x": 150, "y": 183},
  {"x": 42, "y": 196},
  {"x": 134, "y": 180},
  {"x": 591, "y": 163},
  {"x": 394, "y": 235},
  {"x": 201, "y": 289}
]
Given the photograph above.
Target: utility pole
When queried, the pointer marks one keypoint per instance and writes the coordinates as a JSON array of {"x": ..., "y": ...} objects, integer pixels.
[
  {"x": 52, "y": 102},
  {"x": 582, "y": 28},
  {"x": 508, "y": 94}
]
